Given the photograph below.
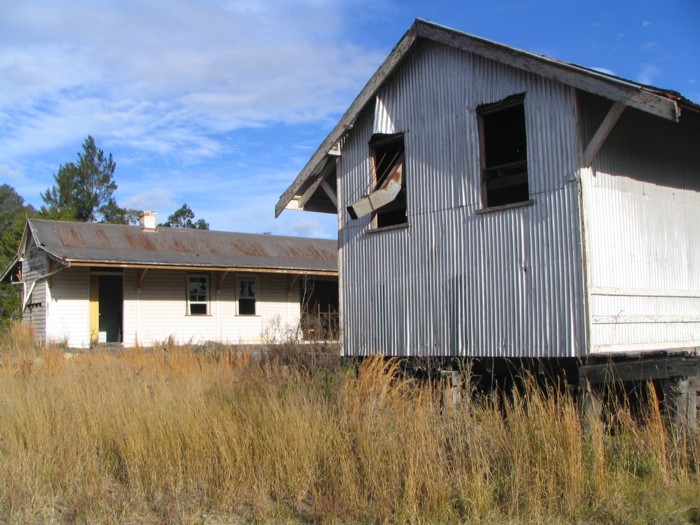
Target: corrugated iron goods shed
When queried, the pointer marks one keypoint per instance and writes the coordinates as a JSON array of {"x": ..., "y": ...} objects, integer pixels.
[
  {"x": 87, "y": 244},
  {"x": 497, "y": 203}
]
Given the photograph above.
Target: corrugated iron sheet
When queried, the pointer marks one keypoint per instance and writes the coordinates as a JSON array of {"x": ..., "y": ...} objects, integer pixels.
[
  {"x": 643, "y": 242},
  {"x": 505, "y": 283},
  {"x": 131, "y": 245}
]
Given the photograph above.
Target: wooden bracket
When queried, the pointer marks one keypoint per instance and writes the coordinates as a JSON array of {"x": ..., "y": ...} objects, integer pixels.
[{"x": 602, "y": 133}]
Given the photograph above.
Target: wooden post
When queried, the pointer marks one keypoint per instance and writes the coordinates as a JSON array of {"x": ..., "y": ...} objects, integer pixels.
[
  {"x": 679, "y": 403},
  {"x": 451, "y": 390},
  {"x": 591, "y": 407}
]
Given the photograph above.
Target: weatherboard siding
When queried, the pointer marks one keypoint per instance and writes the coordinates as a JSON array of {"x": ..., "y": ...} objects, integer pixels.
[
  {"x": 642, "y": 239},
  {"x": 158, "y": 312},
  {"x": 505, "y": 283},
  {"x": 34, "y": 294},
  {"x": 68, "y": 317}
]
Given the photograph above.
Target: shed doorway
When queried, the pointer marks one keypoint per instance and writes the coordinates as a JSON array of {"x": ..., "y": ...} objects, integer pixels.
[{"x": 106, "y": 308}]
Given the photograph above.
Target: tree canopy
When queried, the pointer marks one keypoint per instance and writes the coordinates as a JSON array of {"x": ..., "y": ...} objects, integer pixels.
[
  {"x": 84, "y": 191},
  {"x": 13, "y": 213},
  {"x": 184, "y": 218}
]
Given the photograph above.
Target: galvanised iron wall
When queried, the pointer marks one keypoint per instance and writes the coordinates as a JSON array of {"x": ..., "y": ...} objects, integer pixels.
[
  {"x": 505, "y": 283},
  {"x": 642, "y": 232}
]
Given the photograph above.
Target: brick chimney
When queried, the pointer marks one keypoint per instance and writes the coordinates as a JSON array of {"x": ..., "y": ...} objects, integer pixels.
[{"x": 147, "y": 220}]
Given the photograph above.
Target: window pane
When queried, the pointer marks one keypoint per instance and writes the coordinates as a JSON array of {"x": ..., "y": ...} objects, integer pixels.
[
  {"x": 198, "y": 309},
  {"x": 246, "y": 306}
]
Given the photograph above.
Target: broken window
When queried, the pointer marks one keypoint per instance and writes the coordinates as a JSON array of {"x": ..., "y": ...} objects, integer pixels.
[
  {"x": 503, "y": 152},
  {"x": 197, "y": 294},
  {"x": 389, "y": 175},
  {"x": 388, "y": 198},
  {"x": 247, "y": 295}
]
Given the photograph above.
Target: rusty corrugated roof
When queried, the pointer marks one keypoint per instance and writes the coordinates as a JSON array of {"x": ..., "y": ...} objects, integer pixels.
[{"x": 76, "y": 243}]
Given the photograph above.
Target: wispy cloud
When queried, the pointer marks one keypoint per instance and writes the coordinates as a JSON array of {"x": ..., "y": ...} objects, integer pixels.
[
  {"x": 163, "y": 76},
  {"x": 648, "y": 72}
]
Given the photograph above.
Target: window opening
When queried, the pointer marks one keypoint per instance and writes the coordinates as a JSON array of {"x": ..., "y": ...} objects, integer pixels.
[
  {"x": 319, "y": 308},
  {"x": 247, "y": 294},
  {"x": 387, "y": 200},
  {"x": 388, "y": 161},
  {"x": 503, "y": 152},
  {"x": 198, "y": 294}
]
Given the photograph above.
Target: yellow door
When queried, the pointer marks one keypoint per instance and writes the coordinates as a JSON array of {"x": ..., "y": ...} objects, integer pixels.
[{"x": 94, "y": 307}]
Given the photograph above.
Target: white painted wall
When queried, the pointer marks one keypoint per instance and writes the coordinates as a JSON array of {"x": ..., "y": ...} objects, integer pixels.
[{"x": 642, "y": 236}]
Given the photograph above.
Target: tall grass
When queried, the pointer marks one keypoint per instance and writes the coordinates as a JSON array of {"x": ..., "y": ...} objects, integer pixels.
[{"x": 173, "y": 435}]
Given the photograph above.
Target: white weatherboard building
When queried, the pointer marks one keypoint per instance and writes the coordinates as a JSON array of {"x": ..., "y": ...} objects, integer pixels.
[
  {"x": 88, "y": 283},
  {"x": 495, "y": 203}
]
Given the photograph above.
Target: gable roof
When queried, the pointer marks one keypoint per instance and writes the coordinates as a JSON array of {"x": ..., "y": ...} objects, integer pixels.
[
  {"x": 663, "y": 103},
  {"x": 89, "y": 244}
]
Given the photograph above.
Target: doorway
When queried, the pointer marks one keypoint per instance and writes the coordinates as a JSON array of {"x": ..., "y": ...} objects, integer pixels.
[{"x": 106, "y": 308}]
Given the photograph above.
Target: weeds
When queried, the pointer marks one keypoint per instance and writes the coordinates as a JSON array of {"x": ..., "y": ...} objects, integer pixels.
[{"x": 182, "y": 435}]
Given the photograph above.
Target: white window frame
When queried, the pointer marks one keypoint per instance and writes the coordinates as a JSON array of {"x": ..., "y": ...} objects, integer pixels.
[
  {"x": 255, "y": 296},
  {"x": 204, "y": 278}
]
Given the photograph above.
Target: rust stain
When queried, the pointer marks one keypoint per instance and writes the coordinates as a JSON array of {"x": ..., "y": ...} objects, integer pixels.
[
  {"x": 103, "y": 239},
  {"x": 248, "y": 248},
  {"x": 138, "y": 240}
]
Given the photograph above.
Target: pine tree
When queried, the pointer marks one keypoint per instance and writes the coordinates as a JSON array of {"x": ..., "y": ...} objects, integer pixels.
[{"x": 83, "y": 191}]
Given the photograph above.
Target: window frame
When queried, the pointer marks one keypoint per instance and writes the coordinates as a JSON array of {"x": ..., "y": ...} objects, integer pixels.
[
  {"x": 514, "y": 173},
  {"x": 198, "y": 302},
  {"x": 381, "y": 216},
  {"x": 255, "y": 297}
]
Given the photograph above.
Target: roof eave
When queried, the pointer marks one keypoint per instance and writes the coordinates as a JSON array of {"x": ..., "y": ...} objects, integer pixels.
[
  {"x": 314, "y": 166},
  {"x": 190, "y": 267}
]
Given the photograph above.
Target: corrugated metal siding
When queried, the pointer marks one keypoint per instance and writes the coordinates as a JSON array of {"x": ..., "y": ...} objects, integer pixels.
[
  {"x": 642, "y": 213},
  {"x": 505, "y": 283}
]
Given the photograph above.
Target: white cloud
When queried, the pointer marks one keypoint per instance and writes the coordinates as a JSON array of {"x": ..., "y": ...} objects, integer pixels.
[
  {"x": 163, "y": 76},
  {"x": 604, "y": 70},
  {"x": 647, "y": 74}
]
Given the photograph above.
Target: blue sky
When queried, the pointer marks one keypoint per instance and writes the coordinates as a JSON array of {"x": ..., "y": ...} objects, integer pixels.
[{"x": 220, "y": 103}]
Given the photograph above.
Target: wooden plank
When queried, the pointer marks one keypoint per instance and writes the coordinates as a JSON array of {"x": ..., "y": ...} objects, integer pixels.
[
  {"x": 329, "y": 191},
  {"x": 602, "y": 133},
  {"x": 642, "y": 369},
  {"x": 645, "y": 319}
]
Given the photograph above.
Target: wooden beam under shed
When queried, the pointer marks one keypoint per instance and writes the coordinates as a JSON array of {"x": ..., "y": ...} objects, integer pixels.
[{"x": 642, "y": 369}]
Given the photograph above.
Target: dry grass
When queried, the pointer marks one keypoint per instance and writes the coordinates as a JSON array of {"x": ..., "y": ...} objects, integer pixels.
[{"x": 173, "y": 435}]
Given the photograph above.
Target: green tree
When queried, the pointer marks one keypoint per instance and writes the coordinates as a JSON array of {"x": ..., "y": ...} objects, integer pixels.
[
  {"x": 184, "y": 218},
  {"x": 13, "y": 215},
  {"x": 83, "y": 191}
]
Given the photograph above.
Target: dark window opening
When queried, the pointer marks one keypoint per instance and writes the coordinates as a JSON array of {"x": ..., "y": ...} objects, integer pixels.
[
  {"x": 503, "y": 152},
  {"x": 319, "y": 309},
  {"x": 388, "y": 162},
  {"x": 246, "y": 296}
]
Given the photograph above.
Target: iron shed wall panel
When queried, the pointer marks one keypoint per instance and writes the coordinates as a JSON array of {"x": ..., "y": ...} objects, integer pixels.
[
  {"x": 505, "y": 283},
  {"x": 641, "y": 216}
]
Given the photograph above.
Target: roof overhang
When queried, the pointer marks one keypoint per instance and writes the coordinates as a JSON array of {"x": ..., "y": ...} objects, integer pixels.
[
  {"x": 662, "y": 103},
  {"x": 198, "y": 268},
  {"x": 10, "y": 270}
]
